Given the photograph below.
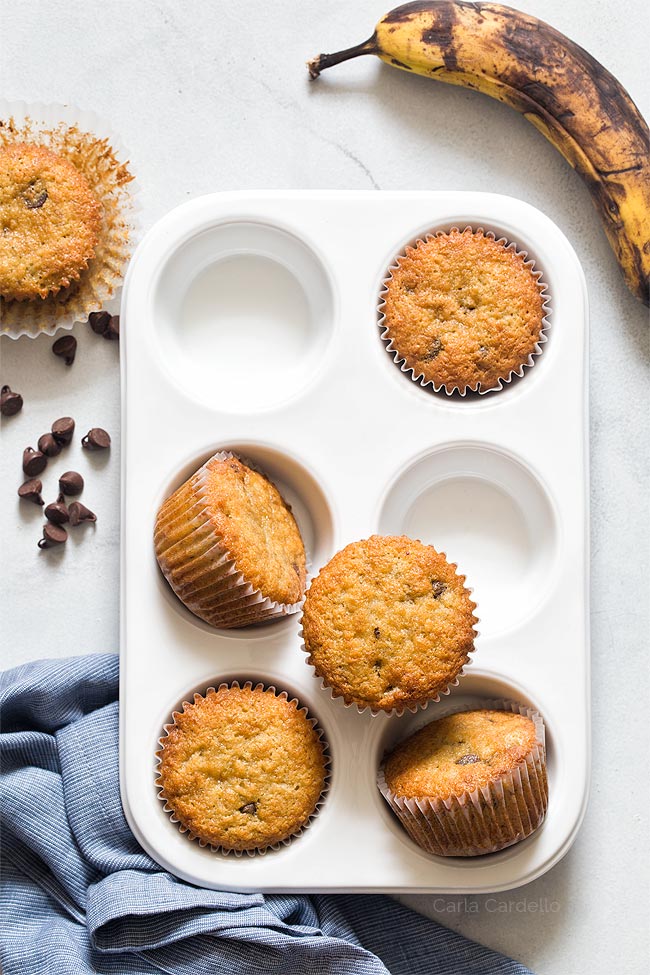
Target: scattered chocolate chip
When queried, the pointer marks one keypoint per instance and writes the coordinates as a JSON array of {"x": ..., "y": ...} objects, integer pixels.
[
  {"x": 10, "y": 402},
  {"x": 71, "y": 483},
  {"x": 63, "y": 429},
  {"x": 112, "y": 330},
  {"x": 438, "y": 588},
  {"x": 96, "y": 439},
  {"x": 377, "y": 632},
  {"x": 57, "y": 513},
  {"x": 483, "y": 349},
  {"x": 31, "y": 491},
  {"x": 49, "y": 445},
  {"x": 250, "y": 808},
  {"x": 467, "y": 760},
  {"x": 35, "y": 195},
  {"x": 79, "y": 513},
  {"x": 34, "y": 462},
  {"x": 66, "y": 348},
  {"x": 434, "y": 349},
  {"x": 52, "y": 535},
  {"x": 99, "y": 321}
]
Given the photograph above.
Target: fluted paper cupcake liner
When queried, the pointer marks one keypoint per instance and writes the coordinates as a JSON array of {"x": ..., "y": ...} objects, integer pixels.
[
  {"x": 455, "y": 389},
  {"x": 199, "y": 567},
  {"x": 489, "y": 818},
  {"x": 399, "y": 710},
  {"x": 257, "y": 851},
  {"x": 97, "y": 151}
]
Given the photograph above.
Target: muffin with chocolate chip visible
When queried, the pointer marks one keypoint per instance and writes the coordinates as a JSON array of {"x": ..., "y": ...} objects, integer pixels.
[
  {"x": 50, "y": 221},
  {"x": 242, "y": 768},
  {"x": 388, "y": 623},
  {"x": 463, "y": 311},
  {"x": 229, "y": 546},
  {"x": 470, "y": 783}
]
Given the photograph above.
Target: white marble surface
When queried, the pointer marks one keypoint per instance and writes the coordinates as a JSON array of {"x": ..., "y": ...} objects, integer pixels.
[{"x": 215, "y": 96}]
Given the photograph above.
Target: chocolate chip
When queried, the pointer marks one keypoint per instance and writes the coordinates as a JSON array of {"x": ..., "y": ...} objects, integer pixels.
[
  {"x": 112, "y": 330},
  {"x": 377, "y": 632},
  {"x": 35, "y": 195},
  {"x": 250, "y": 808},
  {"x": 467, "y": 760},
  {"x": 66, "y": 348},
  {"x": 434, "y": 349},
  {"x": 63, "y": 429},
  {"x": 34, "y": 462},
  {"x": 79, "y": 513},
  {"x": 49, "y": 445},
  {"x": 52, "y": 535},
  {"x": 96, "y": 439},
  {"x": 10, "y": 402},
  {"x": 99, "y": 321},
  {"x": 31, "y": 491},
  {"x": 71, "y": 483},
  {"x": 437, "y": 588},
  {"x": 57, "y": 513}
]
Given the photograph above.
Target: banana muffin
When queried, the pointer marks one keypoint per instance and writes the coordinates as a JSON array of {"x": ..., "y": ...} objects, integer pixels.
[
  {"x": 462, "y": 311},
  {"x": 50, "y": 221},
  {"x": 388, "y": 623},
  {"x": 470, "y": 783},
  {"x": 229, "y": 546},
  {"x": 242, "y": 768}
]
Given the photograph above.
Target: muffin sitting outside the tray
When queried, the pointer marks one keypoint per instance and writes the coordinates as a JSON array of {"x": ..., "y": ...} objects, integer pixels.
[
  {"x": 50, "y": 221},
  {"x": 229, "y": 545},
  {"x": 242, "y": 768},
  {"x": 469, "y": 783},
  {"x": 463, "y": 311},
  {"x": 388, "y": 623}
]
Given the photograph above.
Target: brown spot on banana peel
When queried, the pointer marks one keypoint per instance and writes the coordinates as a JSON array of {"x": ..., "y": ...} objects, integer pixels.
[{"x": 568, "y": 95}]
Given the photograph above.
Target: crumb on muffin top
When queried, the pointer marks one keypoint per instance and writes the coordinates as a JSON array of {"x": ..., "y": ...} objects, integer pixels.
[
  {"x": 463, "y": 310},
  {"x": 49, "y": 221},
  {"x": 388, "y": 623},
  {"x": 242, "y": 768},
  {"x": 459, "y": 753}
]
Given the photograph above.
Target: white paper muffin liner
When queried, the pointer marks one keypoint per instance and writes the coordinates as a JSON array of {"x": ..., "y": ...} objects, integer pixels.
[
  {"x": 207, "y": 580},
  {"x": 398, "y": 710},
  {"x": 96, "y": 149},
  {"x": 487, "y": 819},
  {"x": 257, "y": 851},
  {"x": 456, "y": 390}
]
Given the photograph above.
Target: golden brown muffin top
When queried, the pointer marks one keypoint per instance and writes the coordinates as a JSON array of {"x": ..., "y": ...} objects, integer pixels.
[
  {"x": 49, "y": 221},
  {"x": 257, "y": 527},
  {"x": 388, "y": 623},
  {"x": 459, "y": 753},
  {"x": 242, "y": 768},
  {"x": 463, "y": 310}
]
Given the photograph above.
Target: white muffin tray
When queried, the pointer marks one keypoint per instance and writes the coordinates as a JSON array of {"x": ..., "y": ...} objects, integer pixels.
[{"x": 250, "y": 322}]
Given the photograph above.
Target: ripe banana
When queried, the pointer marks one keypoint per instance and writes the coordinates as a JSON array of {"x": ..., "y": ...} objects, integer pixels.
[{"x": 566, "y": 94}]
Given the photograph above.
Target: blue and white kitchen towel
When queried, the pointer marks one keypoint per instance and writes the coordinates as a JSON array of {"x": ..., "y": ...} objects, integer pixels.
[{"x": 79, "y": 895}]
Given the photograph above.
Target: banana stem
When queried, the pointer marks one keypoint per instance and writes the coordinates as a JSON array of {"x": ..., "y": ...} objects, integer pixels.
[{"x": 323, "y": 61}]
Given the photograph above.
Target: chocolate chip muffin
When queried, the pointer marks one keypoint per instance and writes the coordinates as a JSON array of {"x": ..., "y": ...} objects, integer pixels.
[
  {"x": 388, "y": 624},
  {"x": 470, "y": 783},
  {"x": 229, "y": 546},
  {"x": 50, "y": 221},
  {"x": 462, "y": 311},
  {"x": 242, "y": 768}
]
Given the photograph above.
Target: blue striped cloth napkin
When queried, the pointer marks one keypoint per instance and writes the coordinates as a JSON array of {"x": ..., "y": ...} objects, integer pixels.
[{"x": 79, "y": 895}]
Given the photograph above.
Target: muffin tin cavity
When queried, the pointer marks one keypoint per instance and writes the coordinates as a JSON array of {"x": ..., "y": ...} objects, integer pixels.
[
  {"x": 244, "y": 313},
  {"x": 491, "y": 515},
  {"x": 303, "y": 492}
]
